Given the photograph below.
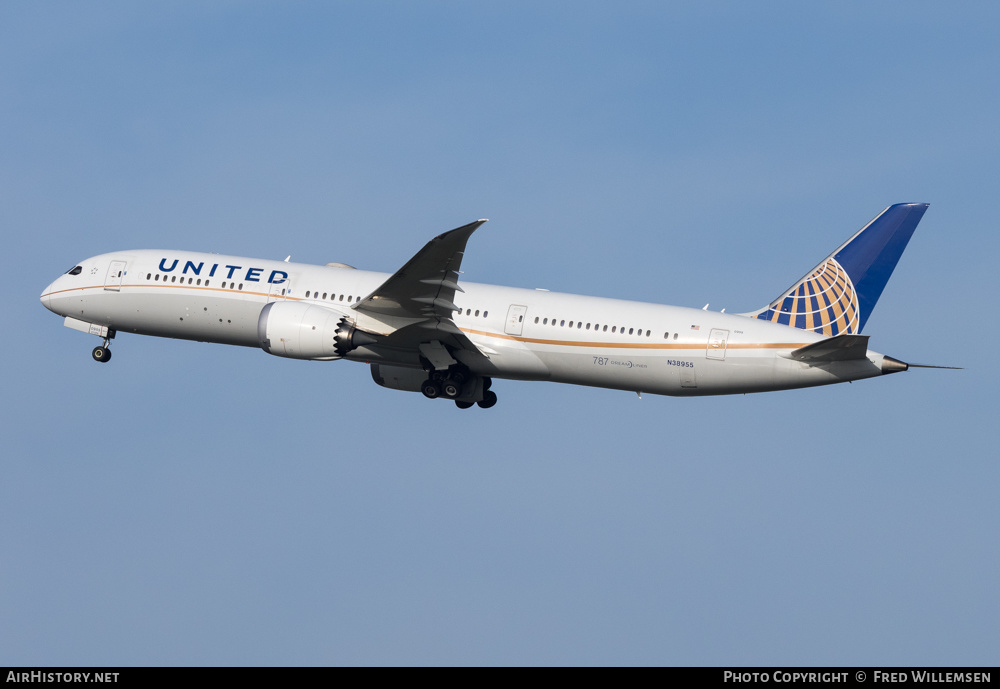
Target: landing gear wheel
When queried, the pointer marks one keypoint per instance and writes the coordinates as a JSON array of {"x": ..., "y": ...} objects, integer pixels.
[
  {"x": 489, "y": 399},
  {"x": 463, "y": 405},
  {"x": 102, "y": 354},
  {"x": 431, "y": 389},
  {"x": 451, "y": 388}
]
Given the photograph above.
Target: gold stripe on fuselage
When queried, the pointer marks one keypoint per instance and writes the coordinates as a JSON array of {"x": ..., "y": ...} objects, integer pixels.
[{"x": 484, "y": 333}]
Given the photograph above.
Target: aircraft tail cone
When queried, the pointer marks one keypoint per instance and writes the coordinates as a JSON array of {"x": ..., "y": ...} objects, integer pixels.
[{"x": 890, "y": 365}]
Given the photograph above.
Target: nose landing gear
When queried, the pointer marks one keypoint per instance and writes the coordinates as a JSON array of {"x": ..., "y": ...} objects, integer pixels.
[{"x": 103, "y": 352}]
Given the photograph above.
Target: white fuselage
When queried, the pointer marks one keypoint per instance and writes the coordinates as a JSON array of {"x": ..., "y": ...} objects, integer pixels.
[{"x": 524, "y": 334}]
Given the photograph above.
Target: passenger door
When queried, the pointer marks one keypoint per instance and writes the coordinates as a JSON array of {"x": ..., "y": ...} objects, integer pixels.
[
  {"x": 717, "y": 344},
  {"x": 278, "y": 290},
  {"x": 515, "y": 319},
  {"x": 113, "y": 282}
]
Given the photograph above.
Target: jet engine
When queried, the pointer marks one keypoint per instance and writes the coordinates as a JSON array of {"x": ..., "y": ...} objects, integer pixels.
[{"x": 305, "y": 331}]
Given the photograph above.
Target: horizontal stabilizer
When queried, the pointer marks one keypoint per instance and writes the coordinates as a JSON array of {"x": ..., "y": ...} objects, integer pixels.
[{"x": 839, "y": 348}]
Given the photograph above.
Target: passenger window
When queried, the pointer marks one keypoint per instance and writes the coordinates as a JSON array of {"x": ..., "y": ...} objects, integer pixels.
[
  {"x": 199, "y": 281},
  {"x": 477, "y": 313},
  {"x": 348, "y": 298},
  {"x": 675, "y": 336},
  {"x": 173, "y": 278},
  {"x": 485, "y": 314},
  {"x": 545, "y": 322},
  {"x": 605, "y": 328},
  {"x": 324, "y": 295},
  {"x": 536, "y": 319},
  {"x": 241, "y": 285},
  {"x": 614, "y": 328},
  {"x": 562, "y": 323},
  {"x": 157, "y": 278},
  {"x": 307, "y": 294},
  {"x": 630, "y": 331}
]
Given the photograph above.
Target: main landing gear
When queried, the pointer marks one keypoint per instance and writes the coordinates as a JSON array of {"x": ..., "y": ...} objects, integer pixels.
[{"x": 459, "y": 384}]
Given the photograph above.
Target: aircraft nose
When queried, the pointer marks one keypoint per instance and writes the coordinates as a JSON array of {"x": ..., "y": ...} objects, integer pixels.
[{"x": 46, "y": 297}]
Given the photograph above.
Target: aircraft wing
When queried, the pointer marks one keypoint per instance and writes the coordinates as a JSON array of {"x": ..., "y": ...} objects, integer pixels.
[
  {"x": 425, "y": 287},
  {"x": 423, "y": 293}
]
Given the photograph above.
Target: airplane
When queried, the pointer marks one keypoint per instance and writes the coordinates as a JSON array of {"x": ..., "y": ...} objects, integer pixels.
[{"x": 421, "y": 331}]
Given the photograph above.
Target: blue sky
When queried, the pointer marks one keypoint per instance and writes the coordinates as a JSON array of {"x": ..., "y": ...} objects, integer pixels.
[{"x": 200, "y": 504}]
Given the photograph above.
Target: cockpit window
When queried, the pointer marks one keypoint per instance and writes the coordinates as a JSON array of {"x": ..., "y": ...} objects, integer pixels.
[{"x": 75, "y": 270}]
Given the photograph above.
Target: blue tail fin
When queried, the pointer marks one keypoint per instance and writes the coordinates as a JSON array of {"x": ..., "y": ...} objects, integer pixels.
[{"x": 837, "y": 296}]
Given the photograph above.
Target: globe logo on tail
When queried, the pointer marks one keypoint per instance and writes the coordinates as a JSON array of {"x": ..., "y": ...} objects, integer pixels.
[{"x": 824, "y": 302}]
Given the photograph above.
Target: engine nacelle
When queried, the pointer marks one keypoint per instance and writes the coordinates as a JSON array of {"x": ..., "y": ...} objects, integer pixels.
[
  {"x": 299, "y": 331},
  {"x": 399, "y": 377}
]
